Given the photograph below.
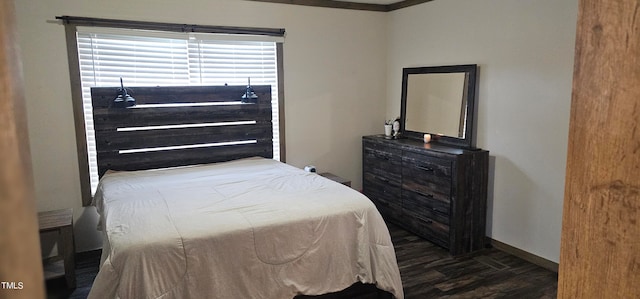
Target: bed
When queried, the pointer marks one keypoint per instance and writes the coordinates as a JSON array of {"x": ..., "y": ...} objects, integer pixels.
[
  {"x": 250, "y": 228},
  {"x": 226, "y": 222}
]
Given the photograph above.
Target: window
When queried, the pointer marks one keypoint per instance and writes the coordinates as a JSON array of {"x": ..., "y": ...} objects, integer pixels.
[{"x": 162, "y": 58}]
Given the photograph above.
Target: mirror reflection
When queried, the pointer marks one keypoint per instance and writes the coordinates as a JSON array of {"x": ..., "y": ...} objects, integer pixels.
[{"x": 436, "y": 103}]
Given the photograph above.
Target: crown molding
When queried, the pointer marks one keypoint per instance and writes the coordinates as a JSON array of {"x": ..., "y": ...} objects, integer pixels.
[
  {"x": 349, "y": 5},
  {"x": 405, "y": 3}
]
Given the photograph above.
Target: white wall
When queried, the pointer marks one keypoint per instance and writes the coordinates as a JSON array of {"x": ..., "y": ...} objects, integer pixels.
[
  {"x": 335, "y": 83},
  {"x": 340, "y": 68},
  {"x": 525, "y": 51}
]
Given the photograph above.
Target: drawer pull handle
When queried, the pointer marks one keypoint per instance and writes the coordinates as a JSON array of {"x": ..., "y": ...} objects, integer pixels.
[
  {"x": 429, "y": 169},
  {"x": 424, "y": 194},
  {"x": 436, "y": 210}
]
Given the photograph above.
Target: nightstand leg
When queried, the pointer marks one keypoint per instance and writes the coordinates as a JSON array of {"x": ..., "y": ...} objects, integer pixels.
[{"x": 67, "y": 244}]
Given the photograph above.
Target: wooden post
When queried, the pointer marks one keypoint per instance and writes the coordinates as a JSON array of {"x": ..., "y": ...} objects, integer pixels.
[
  {"x": 20, "y": 262},
  {"x": 600, "y": 249}
]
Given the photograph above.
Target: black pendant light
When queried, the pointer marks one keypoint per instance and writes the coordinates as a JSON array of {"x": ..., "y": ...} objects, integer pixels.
[
  {"x": 123, "y": 99},
  {"x": 249, "y": 95}
]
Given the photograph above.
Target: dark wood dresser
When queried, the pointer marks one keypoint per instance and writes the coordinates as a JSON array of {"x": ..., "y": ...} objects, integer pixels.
[{"x": 436, "y": 191}]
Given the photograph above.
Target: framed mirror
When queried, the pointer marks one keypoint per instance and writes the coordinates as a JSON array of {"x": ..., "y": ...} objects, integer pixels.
[{"x": 439, "y": 101}]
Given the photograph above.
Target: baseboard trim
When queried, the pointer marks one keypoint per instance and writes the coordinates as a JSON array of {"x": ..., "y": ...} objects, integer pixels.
[{"x": 527, "y": 256}]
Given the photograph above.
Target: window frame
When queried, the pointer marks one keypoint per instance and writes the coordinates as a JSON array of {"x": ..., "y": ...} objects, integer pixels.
[{"x": 71, "y": 24}]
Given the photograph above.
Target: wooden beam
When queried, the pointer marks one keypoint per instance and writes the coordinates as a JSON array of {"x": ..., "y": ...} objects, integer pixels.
[
  {"x": 600, "y": 248},
  {"x": 20, "y": 266}
]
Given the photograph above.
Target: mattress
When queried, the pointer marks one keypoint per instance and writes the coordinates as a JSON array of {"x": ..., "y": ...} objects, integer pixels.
[{"x": 250, "y": 228}]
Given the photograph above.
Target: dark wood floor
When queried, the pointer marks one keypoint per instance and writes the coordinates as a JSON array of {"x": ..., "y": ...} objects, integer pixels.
[{"x": 427, "y": 272}]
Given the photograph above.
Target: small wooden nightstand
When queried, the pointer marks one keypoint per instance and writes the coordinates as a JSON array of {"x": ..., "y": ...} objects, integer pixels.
[
  {"x": 60, "y": 221},
  {"x": 336, "y": 178}
]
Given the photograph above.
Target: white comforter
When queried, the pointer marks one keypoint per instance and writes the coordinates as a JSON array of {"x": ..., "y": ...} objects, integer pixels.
[{"x": 251, "y": 228}]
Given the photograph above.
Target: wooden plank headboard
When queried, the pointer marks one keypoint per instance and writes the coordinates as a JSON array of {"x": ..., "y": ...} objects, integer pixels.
[{"x": 176, "y": 126}]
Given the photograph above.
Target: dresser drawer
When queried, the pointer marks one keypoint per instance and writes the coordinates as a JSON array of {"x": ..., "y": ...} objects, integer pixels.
[
  {"x": 381, "y": 162},
  {"x": 385, "y": 195},
  {"x": 427, "y": 176},
  {"x": 378, "y": 181},
  {"x": 390, "y": 207},
  {"x": 389, "y": 210},
  {"x": 427, "y": 165},
  {"x": 381, "y": 148},
  {"x": 429, "y": 229},
  {"x": 434, "y": 208},
  {"x": 386, "y": 172},
  {"x": 429, "y": 187},
  {"x": 374, "y": 154}
]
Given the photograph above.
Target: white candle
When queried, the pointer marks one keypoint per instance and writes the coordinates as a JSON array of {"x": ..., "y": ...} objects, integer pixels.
[{"x": 427, "y": 138}]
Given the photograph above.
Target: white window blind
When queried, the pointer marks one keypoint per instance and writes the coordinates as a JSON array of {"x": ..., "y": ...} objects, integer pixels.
[{"x": 151, "y": 58}]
